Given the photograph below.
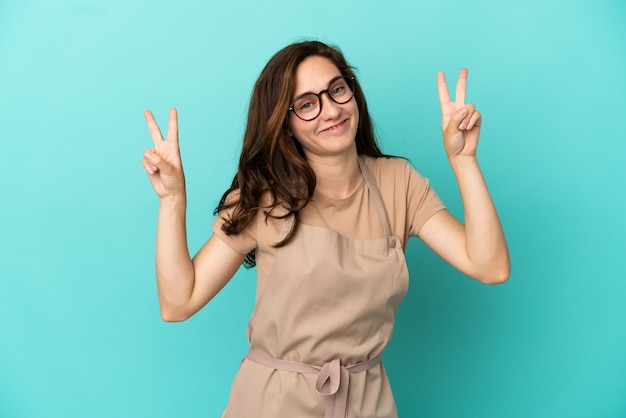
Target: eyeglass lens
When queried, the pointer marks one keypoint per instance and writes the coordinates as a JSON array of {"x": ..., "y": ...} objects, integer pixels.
[{"x": 309, "y": 106}]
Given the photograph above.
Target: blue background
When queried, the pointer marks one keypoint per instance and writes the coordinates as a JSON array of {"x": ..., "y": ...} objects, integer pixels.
[{"x": 80, "y": 331}]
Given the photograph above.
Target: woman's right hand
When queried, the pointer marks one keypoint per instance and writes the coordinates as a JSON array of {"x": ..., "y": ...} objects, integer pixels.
[{"x": 163, "y": 163}]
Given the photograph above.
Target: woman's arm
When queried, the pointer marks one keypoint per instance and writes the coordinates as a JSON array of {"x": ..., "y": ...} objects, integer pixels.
[
  {"x": 184, "y": 285},
  {"x": 477, "y": 248}
]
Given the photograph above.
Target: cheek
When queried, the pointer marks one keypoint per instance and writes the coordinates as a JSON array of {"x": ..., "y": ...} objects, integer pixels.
[
  {"x": 355, "y": 112},
  {"x": 354, "y": 107},
  {"x": 297, "y": 129}
]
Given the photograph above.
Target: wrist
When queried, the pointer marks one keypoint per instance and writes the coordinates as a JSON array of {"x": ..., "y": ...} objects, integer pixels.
[
  {"x": 462, "y": 161},
  {"x": 177, "y": 201}
]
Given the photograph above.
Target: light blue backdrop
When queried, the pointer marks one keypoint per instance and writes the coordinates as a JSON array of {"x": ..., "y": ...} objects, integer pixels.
[{"x": 80, "y": 332}]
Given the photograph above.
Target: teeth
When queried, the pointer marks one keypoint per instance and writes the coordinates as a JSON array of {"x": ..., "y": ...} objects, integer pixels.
[{"x": 332, "y": 128}]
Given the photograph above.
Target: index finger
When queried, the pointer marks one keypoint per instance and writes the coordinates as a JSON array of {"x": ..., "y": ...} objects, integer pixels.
[
  {"x": 172, "y": 126},
  {"x": 155, "y": 132},
  {"x": 461, "y": 87},
  {"x": 442, "y": 88}
]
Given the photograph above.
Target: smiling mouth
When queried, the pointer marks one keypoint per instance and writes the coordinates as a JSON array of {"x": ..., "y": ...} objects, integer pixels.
[{"x": 335, "y": 127}]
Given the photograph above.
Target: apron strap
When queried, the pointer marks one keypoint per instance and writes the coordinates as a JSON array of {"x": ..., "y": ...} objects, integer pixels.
[
  {"x": 333, "y": 375},
  {"x": 377, "y": 197}
]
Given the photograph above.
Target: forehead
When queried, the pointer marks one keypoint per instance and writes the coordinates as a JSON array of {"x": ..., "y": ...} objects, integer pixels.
[{"x": 314, "y": 74}]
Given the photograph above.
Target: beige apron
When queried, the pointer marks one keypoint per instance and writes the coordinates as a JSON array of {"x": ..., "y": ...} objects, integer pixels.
[{"x": 321, "y": 324}]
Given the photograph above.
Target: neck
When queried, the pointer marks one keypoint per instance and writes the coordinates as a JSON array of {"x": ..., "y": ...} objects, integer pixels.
[{"x": 337, "y": 176}]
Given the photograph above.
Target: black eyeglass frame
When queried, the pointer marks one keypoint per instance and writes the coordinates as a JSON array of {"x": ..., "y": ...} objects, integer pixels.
[{"x": 350, "y": 80}]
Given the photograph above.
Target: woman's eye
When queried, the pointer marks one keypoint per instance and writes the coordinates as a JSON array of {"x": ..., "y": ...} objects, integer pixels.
[{"x": 306, "y": 105}]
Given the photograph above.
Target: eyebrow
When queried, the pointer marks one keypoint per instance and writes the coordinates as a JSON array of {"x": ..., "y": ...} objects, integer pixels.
[{"x": 312, "y": 92}]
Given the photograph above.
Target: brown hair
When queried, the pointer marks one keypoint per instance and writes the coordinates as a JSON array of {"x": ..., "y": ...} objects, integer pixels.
[{"x": 271, "y": 161}]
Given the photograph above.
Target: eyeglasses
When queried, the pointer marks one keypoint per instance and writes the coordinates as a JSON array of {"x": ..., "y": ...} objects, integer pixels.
[{"x": 308, "y": 106}]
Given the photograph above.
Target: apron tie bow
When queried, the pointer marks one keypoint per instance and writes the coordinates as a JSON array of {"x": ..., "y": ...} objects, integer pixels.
[
  {"x": 338, "y": 379},
  {"x": 333, "y": 380}
]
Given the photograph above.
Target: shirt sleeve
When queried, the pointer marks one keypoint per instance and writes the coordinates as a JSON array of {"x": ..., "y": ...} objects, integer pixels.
[
  {"x": 243, "y": 242},
  {"x": 422, "y": 201}
]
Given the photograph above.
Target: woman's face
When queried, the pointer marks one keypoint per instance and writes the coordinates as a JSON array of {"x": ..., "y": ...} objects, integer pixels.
[{"x": 334, "y": 130}]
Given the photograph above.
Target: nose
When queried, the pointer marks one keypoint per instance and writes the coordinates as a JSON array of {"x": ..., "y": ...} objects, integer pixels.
[{"x": 330, "y": 109}]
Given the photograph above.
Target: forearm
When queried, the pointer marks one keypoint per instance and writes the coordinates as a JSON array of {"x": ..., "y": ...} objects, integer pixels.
[
  {"x": 174, "y": 268},
  {"x": 484, "y": 238}
]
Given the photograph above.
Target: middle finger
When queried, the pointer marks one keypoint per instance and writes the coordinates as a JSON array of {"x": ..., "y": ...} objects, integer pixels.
[{"x": 461, "y": 87}]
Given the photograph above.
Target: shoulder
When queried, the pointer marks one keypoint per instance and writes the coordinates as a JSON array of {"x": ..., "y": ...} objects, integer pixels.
[
  {"x": 266, "y": 205},
  {"x": 398, "y": 170},
  {"x": 397, "y": 179},
  {"x": 259, "y": 232}
]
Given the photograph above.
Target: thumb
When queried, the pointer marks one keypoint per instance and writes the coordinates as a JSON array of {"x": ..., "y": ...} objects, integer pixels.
[
  {"x": 154, "y": 159},
  {"x": 455, "y": 120}
]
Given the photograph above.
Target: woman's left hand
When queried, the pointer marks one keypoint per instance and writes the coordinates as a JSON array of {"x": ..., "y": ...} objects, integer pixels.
[{"x": 460, "y": 122}]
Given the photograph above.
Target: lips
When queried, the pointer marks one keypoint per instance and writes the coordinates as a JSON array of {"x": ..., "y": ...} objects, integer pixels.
[{"x": 336, "y": 127}]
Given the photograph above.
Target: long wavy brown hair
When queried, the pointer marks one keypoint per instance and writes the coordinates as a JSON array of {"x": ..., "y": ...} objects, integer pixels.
[{"x": 271, "y": 160}]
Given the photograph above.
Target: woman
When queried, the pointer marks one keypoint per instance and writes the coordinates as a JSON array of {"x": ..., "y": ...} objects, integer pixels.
[{"x": 325, "y": 216}]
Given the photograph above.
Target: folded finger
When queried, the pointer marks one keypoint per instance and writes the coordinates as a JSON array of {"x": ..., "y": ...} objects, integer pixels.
[
  {"x": 469, "y": 108},
  {"x": 150, "y": 169},
  {"x": 475, "y": 120}
]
